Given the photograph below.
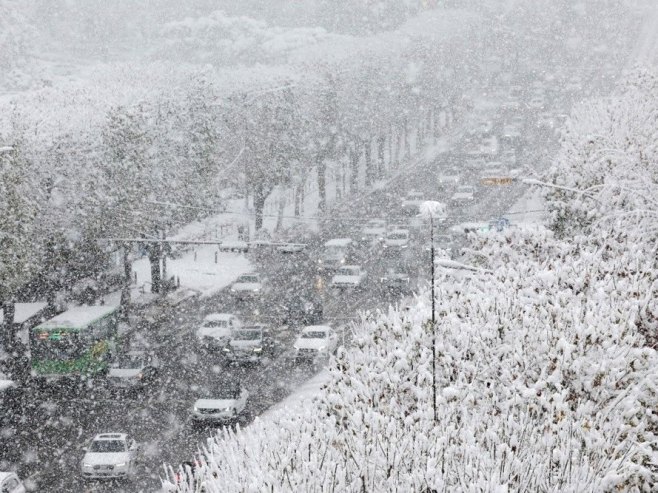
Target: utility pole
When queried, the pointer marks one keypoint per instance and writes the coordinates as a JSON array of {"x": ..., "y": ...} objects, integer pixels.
[{"x": 433, "y": 322}]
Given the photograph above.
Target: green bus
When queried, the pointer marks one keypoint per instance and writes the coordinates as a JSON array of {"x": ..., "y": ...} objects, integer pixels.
[{"x": 77, "y": 343}]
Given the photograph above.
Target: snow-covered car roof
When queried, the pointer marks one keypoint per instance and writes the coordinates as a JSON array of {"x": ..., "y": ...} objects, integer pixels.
[
  {"x": 218, "y": 316},
  {"x": 316, "y": 328},
  {"x": 111, "y": 436},
  {"x": 339, "y": 242}
]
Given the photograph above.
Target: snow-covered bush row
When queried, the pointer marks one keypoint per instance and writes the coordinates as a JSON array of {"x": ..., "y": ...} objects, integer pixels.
[{"x": 543, "y": 384}]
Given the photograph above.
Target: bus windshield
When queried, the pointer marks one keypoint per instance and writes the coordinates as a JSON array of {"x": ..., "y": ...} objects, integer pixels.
[{"x": 57, "y": 346}]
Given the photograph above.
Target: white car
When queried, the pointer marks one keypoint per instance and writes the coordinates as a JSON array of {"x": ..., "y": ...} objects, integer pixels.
[
  {"x": 9, "y": 483},
  {"x": 348, "y": 276},
  {"x": 412, "y": 201},
  {"x": 537, "y": 103},
  {"x": 315, "y": 342},
  {"x": 464, "y": 194},
  {"x": 215, "y": 332},
  {"x": 450, "y": 176},
  {"x": 248, "y": 285},
  {"x": 110, "y": 455},
  {"x": 220, "y": 405},
  {"x": 134, "y": 369},
  {"x": 373, "y": 231},
  {"x": 397, "y": 239},
  {"x": 248, "y": 344}
]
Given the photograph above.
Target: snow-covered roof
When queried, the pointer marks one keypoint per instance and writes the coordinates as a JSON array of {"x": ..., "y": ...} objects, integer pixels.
[
  {"x": 339, "y": 242},
  {"x": 24, "y": 311},
  {"x": 78, "y": 317}
]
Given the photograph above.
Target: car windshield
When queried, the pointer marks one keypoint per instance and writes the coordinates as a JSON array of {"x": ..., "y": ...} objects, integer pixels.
[
  {"x": 129, "y": 361},
  {"x": 397, "y": 236},
  {"x": 334, "y": 251},
  {"x": 225, "y": 393},
  {"x": 247, "y": 335},
  {"x": 108, "y": 446},
  {"x": 248, "y": 279},
  {"x": 314, "y": 334},
  {"x": 215, "y": 323},
  {"x": 465, "y": 189},
  {"x": 347, "y": 271}
]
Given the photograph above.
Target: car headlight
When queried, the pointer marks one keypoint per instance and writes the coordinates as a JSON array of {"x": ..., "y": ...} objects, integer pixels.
[
  {"x": 84, "y": 464},
  {"x": 322, "y": 349},
  {"x": 258, "y": 349},
  {"x": 229, "y": 409},
  {"x": 227, "y": 349},
  {"x": 120, "y": 464},
  {"x": 196, "y": 409},
  {"x": 295, "y": 348},
  {"x": 139, "y": 376},
  {"x": 233, "y": 290},
  {"x": 342, "y": 261}
]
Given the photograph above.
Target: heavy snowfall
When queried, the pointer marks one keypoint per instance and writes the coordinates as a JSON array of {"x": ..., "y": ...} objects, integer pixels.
[{"x": 328, "y": 246}]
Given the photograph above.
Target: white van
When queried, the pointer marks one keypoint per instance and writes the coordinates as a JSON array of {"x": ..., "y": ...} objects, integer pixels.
[{"x": 337, "y": 252}]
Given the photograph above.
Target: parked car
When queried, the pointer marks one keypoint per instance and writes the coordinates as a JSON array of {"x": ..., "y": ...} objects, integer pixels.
[
  {"x": 449, "y": 177},
  {"x": 110, "y": 456},
  {"x": 397, "y": 239},
  {"x": 215, "y": 332},
  {"x": 463, "y": 194},
  {"x": 249, "y": 344},
  {"x": 373, "y": 231},
  {"x": 248, "y": 285},
  {"x": 10, "y": 483},
  {"x": 315, "y": 342},
  {"x": 220, "y": 404},
  {"x": 134, "y": 369},
  {"x": 348, "y": 276}
]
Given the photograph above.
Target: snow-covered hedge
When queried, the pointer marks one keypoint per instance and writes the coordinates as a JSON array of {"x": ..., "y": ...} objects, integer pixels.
[
  {"x": 546, "y": 376},
  {"x": 544, "y": 384}
]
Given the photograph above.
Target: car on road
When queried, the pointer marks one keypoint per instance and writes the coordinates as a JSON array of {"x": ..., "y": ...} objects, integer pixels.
[
  {"x": 314, "y": 343},
  {"x": 395, "y": 280},
  {"x": 249, "y": 344},
  {"x": 337, "y": 252},
  {"x": 222, "y": 403},
  {"x": 537, "y": 103},
  {"x": 110, "y": 456},
  {"x": 463, "y": 194},
  {"x": 373, "y": 231},
  {"x": 397, "y": 239},
  {"x": 248, "y": 285},
  {"x": 10, "y": 483},
  {"x": 215, "y": 331},
  {"x": 449, "y": 177},
  {"x": 348, "y": 276},
  {"x": 134, "y": 370},
  {"x": 412, "y": 202}
]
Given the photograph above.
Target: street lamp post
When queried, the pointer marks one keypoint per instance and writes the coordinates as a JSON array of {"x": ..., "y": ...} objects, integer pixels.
[
  {"x": 433, "y": 321},
  {"x": 431, "y": 210}
]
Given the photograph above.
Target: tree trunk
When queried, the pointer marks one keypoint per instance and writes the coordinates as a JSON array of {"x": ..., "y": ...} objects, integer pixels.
[
  {"x": 156, "y": 274},
  {"x": 282, "y": 206},
  {"x": 398, "y": 147},
  {"x": 407, "y": 140},
  {"x": 354, "y": 161},
  {"x": 296, "y": 198},
  {"x": 125, "y": 288},
  {"x": 391, "y": 136},
  {"x": 381, "y": 144},
  {"x": 259, "y": 205},
  {"x": 8, "y": 336},
  {"x": 321, "y": 166},
  {"x": 367, "y": 146}
]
